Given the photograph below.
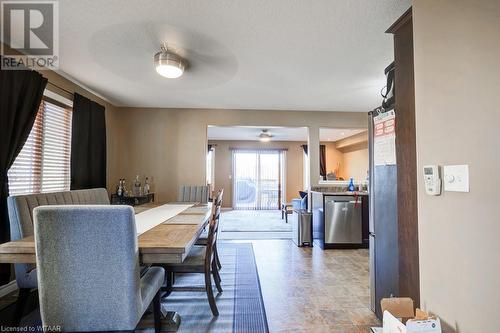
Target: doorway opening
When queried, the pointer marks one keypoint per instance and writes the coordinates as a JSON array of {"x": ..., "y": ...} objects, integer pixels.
[{"x": 261, "y": 170}]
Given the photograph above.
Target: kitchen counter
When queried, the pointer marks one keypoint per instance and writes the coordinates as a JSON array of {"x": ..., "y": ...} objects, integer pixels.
[{"x": 351, "y": 193}]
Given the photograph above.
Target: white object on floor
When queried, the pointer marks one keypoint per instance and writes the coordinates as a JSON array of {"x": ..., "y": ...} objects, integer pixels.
[
  {"x": 392, "y": 324},
  {"x": 154, "y": 216}
]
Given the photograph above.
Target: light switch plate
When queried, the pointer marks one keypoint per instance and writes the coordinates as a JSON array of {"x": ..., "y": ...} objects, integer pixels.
[{"x": 456, "y": 178}]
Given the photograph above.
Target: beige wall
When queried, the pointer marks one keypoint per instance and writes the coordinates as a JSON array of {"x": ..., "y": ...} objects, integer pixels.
[
  {"x": 356, "y": 164},
  {"x": 223, "y": 165},
  {"x": 170, "y": 144},
  {"x": 457, "y": 77},
  {"x": 146, "y": 144}
]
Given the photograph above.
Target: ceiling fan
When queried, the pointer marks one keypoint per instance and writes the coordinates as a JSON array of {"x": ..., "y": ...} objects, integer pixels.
[{"x": 265, "y": 136}]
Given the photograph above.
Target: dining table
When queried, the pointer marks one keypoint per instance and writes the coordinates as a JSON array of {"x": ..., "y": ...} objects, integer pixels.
[{"x": 166, "y": 233}]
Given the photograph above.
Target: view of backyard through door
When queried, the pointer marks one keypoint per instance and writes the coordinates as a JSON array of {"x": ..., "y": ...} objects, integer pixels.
[{"x": 258, "y": 179}]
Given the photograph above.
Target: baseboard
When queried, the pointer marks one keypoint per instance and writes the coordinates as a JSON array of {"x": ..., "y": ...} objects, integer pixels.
[{"x": 8, "y": 288}]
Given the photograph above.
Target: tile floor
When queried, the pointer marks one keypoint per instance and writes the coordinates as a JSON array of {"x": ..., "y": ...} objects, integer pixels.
[{"x": 311, "y": 290}]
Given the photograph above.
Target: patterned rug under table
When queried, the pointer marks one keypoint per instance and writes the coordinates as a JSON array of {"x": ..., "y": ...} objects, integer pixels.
[{"x": 241, "y": 308}]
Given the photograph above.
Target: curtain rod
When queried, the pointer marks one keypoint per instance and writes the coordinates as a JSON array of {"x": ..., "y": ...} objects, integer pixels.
[
  {"x": 258, "y": 149},
  {"x": 61, "y": 88}
]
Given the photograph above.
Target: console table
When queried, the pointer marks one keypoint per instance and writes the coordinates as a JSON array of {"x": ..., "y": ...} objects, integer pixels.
[{"x": 132, "y": 200}]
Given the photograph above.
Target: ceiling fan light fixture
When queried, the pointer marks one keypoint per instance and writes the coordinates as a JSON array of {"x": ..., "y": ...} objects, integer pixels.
[
  {"x": 169, "y": 64},
  {"x": 265, "y": 136}
]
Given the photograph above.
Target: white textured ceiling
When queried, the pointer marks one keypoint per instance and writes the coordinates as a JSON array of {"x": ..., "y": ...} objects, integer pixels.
[
  {"x": 260, "y": 54},
  {"x": 251, "y": 133}
]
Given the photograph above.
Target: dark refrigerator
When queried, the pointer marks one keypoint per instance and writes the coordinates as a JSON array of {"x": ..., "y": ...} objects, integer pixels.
[{"x": 383, "y": 226}]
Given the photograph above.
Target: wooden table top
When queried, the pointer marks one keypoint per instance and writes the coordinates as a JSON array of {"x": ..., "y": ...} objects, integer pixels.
[{"x": 167, "y": 242}]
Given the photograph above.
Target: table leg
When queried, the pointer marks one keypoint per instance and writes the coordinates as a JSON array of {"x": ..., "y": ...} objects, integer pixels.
[{"x": 170, "y": 322}]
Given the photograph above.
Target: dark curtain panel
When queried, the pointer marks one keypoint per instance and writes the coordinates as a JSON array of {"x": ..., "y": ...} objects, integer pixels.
[
  {"x": 20, "y": 94},
  {"x": 322, "y": 161},
  {"x": 88, "y": 144}
]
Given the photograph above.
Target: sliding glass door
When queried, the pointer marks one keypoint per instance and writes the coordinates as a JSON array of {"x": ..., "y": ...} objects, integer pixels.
[{"x": 258, "y": 181}]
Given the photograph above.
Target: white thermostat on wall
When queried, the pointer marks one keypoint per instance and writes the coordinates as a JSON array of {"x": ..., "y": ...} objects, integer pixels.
[{"x": 432, "y": 180}]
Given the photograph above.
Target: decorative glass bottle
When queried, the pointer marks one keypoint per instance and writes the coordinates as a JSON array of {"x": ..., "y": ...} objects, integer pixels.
[
  {"x": 146, "y": 187},
  {"x": 119, "y": 190},
  {"x": 137, "y": 186}
]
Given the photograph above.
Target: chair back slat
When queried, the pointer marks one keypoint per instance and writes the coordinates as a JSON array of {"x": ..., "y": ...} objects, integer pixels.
[
  {"x": 196, "y": 193},
  {"x": 213, "y": 228}
]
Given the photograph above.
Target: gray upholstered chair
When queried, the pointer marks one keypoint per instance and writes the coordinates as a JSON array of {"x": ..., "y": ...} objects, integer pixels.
[
  {"x": 87, "y": 259},
  {"x": 21, "y": 225},
  {"x": 196, "y": 193}
]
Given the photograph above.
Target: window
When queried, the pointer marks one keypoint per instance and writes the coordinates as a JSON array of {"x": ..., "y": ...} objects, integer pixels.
[{"x": 43, "y": 165}]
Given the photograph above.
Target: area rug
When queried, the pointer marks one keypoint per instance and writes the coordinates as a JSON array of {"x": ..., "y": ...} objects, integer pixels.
[
  {"x": 241, "y": 307},
  {"x": 254, "y": 221}
]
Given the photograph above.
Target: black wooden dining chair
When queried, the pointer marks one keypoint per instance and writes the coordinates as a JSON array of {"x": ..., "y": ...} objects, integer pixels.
[
  {"x": 203, "y": 238},
  {"x": 201, "y": 259}
]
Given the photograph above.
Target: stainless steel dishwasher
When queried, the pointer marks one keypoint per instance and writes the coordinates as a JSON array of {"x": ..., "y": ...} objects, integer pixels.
[{"x": 343, "y": 220}]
